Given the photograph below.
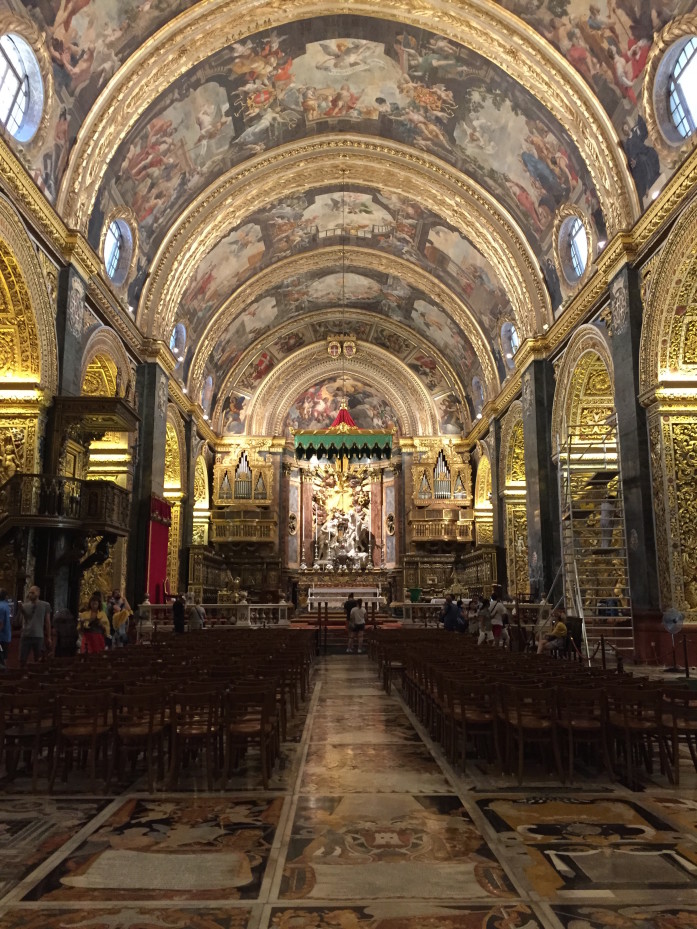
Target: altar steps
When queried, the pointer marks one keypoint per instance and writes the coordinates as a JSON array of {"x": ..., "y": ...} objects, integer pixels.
[{"x": 332, "y": 634}]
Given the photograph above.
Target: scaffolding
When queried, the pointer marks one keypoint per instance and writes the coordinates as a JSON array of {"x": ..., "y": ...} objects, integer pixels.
[{"x": 593, "y": 536}]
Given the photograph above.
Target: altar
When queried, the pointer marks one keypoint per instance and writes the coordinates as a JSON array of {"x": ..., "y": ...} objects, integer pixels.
[{"x": 333, "y": 587}]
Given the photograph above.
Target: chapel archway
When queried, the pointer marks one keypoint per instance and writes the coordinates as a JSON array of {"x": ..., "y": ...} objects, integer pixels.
[
  {"x": 668, "y": 376},
  {"x": 483, "y": 507},
  {"x": 594, "y": 549}
]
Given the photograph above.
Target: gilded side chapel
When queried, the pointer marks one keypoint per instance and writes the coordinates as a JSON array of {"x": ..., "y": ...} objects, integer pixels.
[{"x": 405, "y": 298}]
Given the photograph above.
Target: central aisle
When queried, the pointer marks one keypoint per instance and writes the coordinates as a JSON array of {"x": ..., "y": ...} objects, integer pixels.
[{"x": 363, "y": 828}]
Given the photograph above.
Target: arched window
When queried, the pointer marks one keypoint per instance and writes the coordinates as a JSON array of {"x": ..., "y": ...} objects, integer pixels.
[
  {"x": 113, "y": 248},
  {"x": 573, "y": 248},
  {"x": 578, "y": 244},
  {"x": 510, "y": 343},
  {"x": 682, "y": 90},
  {"x": 117, "y": 250},
  {"x": 21, "y": 88}
]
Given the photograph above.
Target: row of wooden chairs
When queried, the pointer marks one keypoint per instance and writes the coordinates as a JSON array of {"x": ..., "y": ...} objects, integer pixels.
[
  {"x": 497, "y": 705},
  {"x": 216, "y": 701}
]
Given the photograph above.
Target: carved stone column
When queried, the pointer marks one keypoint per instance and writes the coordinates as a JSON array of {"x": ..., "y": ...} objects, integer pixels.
[
  {"x": 542, "y": 489},
  {"x": 633, "y": 440},
  {"x": 151, "y": 395}
]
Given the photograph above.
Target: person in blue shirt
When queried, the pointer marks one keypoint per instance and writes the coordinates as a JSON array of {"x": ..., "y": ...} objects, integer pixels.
[{"x": 5, "y": 628}]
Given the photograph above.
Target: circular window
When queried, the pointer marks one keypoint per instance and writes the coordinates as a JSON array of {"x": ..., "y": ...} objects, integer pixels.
[
  {"x": 682, "y": 89},
  {"x": 510, "y": 343},
  {"x": 573, "y": 248},
  {"x": 117, "y": 250},
  {"x": 21, "y": 88}
]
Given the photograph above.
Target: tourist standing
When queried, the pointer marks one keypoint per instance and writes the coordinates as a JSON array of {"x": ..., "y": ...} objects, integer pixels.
[
  {"x": 179, "y": 614},
  {"x": 197, "y": 616},
  {"x": 36, "y": 627},
  {"x": 5, "y": 628},
  {"x": 357, "y": 627},
  {"x": 499, "y": 619},
  {"x": 484, "y": 618},
  {"x": 348, "y": 606}
]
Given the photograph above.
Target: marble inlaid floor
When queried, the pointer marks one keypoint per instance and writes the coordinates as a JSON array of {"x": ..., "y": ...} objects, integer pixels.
[{"x": 365, "y": 826}]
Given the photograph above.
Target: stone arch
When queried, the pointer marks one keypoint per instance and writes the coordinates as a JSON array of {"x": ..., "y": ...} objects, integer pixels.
[
  {"x": 412, "y": 404},
  {"x": 512, "y": 483},
  {"x": 25, "y": 303},
  {"x": 104, "y": 350},
  {"x": 579, "y": 375},
  {"x": 668, "y": 377},
  {"x": 201, "y": 501},
  {"x": 586, "y": 447}
]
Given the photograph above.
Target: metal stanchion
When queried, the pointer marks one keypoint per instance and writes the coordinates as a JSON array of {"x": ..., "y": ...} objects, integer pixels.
[
  {"x": 684, "y": 649},
  {"x": 602, "y": 652}
]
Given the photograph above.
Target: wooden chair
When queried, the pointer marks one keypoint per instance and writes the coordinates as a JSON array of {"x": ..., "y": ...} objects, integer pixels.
[
  {"x": 531, "y": 717},
  {"x": 27, "y": 725},
  {"x": 84, "y": 721},
  {"x": 194, "y": 723},
  {"x": 139, "y": 725},
  {"x": 635, "y": 716},
  {"x": 582, "y": 717},
  {"x": 250, "y": 719},
  {"x": 680, "y": 724}
]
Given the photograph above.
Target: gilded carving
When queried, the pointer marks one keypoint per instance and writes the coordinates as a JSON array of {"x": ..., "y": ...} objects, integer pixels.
[
  {"x": 512, "y": 461},
  {"x": 200, "y": 483},
  {"x": 516, "y": 519},
  {"x": 587, "y": 358}
]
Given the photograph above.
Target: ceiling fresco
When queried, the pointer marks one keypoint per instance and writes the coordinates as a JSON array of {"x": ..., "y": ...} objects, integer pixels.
[
  {"x": 373, "y": 294},
  {"x": 391, "y": 224},
  {"x": 608, "y": 43},
  {"x": 413, "y": 87},
  {"x": 370, "y": 79}
]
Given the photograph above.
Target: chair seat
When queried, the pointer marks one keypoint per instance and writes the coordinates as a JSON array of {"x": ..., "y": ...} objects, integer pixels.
[
  {"x": 587, "y": 724},
  {"x": 194, "y": 730},
  {"x": 83, "y": 730},
  {"x": 478, "y": 716}
]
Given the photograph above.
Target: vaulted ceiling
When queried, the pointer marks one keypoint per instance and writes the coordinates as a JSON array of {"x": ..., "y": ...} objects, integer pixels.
[{"x": 295, "y": 172}]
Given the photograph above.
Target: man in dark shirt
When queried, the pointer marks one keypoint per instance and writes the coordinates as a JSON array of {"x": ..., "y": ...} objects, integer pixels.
[
  {"x": 448, "y": 614},
  {"x": 179, "y": 614}
]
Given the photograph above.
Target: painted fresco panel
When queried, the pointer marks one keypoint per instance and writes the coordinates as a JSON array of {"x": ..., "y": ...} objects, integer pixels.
[{"x": 316, "y": 407}]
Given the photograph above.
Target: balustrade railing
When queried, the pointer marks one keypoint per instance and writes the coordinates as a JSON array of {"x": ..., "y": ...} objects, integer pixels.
[
  {"x": 39, "y": 497},
  {"x": 243, "y": 530},
  {"x": 157, "y": 617}
]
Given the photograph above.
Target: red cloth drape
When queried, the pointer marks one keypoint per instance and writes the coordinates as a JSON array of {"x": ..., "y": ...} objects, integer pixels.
[{"x": 158, "y": 538}]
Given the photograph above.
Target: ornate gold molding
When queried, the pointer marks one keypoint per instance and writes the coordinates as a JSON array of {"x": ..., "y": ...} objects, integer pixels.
[
  {"x": 175, "y": 448},
  {"x": 358, "y": 259},
  {"x": 668, "y": 350},
  {"x": 347, "y": 160},
  {"x": 105, "y": 341},
  {"x": 511, "y": 475},
  {"x": 486, "y": 29}
]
